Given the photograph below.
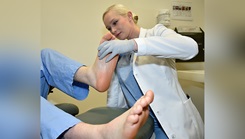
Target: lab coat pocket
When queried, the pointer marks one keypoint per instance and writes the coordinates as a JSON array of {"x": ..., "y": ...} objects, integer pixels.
[
  {"x": 188, "y": 105},
  {"x": 193, "y": 120}
]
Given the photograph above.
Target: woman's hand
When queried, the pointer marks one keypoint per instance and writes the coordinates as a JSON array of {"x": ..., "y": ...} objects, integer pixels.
[{"x": 116, "y": 47}]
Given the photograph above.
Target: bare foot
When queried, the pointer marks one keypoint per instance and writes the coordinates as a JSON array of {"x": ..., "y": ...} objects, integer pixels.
[
  {"x": 99, "y": 75},
  {"x": 104, "y": 70},
  {"x": 125, "y": 126}
]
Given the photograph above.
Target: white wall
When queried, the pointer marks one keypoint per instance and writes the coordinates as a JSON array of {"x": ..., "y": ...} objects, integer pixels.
[{"x": 75, "y": 27}]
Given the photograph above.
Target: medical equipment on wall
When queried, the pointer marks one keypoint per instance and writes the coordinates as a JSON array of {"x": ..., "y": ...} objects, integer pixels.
[{"x": 163, "y": 17}]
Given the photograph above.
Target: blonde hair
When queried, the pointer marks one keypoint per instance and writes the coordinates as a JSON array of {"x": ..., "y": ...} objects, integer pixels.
[{"x": 121, "y": 10}]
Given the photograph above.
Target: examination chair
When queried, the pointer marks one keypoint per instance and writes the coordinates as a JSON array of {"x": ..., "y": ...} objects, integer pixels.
[{"x": 102, "y": 115}]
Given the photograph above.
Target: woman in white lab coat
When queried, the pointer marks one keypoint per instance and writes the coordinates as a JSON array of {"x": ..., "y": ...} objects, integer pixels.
[{"x": 147, "y": 62}]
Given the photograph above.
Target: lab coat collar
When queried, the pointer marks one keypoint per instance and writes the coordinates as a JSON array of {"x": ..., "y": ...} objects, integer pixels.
[{"x": 142, "y": 33}]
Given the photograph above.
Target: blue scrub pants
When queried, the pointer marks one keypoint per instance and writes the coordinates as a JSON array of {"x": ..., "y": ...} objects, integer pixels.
[{"x": 58, "y": 71}]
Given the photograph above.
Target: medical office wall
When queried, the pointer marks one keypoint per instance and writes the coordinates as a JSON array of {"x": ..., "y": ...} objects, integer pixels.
[{"x": 75, "y": 28}]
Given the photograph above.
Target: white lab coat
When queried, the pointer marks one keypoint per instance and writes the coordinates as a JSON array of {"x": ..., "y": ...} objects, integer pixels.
[{"x": 154, "y": 69}]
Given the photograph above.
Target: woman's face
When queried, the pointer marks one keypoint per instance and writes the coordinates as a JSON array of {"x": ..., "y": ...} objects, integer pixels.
[{"x": 120, "y": 26}]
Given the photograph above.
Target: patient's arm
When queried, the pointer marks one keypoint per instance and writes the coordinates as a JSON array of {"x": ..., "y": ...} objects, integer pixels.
[{"x": 100, "y": 73}]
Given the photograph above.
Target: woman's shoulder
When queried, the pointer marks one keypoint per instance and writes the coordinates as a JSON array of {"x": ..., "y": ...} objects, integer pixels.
[
  {"x": 156, "y": 30},
  {"x": 160, "y": 29},
  {"x": 158, "y": 26}
]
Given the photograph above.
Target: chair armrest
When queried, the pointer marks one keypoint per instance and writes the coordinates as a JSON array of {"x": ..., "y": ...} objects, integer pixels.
[{"x": 69, "y": 108}]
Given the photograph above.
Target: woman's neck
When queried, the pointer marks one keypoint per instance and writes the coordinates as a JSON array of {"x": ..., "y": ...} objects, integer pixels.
[{"x": 135, "y": 32}]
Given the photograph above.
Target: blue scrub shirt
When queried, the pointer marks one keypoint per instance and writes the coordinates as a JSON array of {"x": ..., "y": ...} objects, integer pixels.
[{"x": 132, "y": 91}]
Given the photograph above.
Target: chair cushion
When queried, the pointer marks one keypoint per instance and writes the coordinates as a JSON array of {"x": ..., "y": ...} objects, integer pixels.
[{"x": 102, "y": 115}]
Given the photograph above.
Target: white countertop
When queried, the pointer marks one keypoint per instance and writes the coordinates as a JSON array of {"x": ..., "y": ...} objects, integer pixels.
[{"x": 192, "y": 75}]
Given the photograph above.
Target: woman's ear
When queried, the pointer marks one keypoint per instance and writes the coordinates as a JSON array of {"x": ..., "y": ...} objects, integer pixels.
[{"x": 130, "y": 15}]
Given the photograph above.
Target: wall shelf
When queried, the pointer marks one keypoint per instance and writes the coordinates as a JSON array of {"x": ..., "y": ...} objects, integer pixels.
[{"x": 191, "y": 75}]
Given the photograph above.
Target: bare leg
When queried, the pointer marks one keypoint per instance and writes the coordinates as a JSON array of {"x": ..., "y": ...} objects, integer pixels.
[
  {"x": 125, "y": 126},
  {"x": 99, "y": 75}
]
